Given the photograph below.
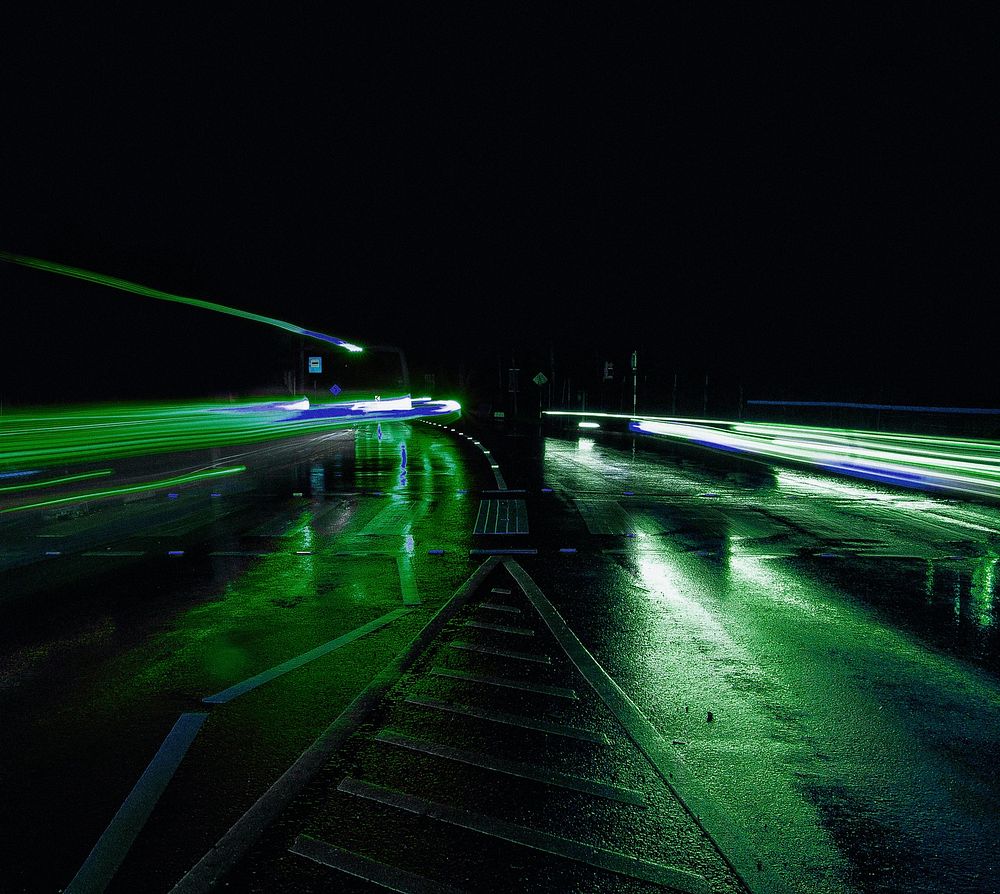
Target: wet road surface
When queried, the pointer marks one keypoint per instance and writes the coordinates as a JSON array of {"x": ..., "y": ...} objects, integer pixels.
[{"x": 817, "y": 657}]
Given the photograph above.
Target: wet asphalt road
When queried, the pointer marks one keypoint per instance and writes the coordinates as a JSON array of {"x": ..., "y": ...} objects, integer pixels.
[{"x": 842, "y": 635}]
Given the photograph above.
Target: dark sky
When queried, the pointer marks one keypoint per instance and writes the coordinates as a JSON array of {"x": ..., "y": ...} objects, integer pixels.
[{"x": 803, "y": 197}]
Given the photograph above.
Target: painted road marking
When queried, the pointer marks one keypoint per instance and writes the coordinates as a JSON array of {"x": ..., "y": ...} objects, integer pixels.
[
  {"x": 604, "y": 517},
  {"x": 283, "y": 524},
  {"x": 504, "y": 591},
  {"x": 501, "y": 517},
  {"x": 519, "y": 720},
  {"x": 380, "y": 874},
  {"x": 397, "y": 519},
  {"x": 505, "y": 682},
  {"x": 241, "y": 836},
  {"x": 502, "y": 653},
  {"x": 497, "y": 607},
  {"x": 503, "y": 552},
  {"x": 514, "y": 768},
  {"x": 407, "y": 581},
  {"x": 710, "y": 815},
  {"x": 113, "y": 553},
  {"x": 580, "y": 851},
  {"x": 231, "y": 553},
  {"x": 227, "y": 695},
  {"x": 113, "y": 845},
  {"x": 502, "y": 628}
]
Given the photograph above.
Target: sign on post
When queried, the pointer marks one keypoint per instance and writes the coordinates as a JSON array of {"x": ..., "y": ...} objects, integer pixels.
[
  {"x": 540, "y": 379},
  {"x": 315, "y": 364}
]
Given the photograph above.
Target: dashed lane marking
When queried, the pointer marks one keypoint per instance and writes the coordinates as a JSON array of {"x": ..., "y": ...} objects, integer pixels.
[
  {"x": 505, "y": 682},
  {"x": 514, "y": 768},
  {"x": 232, "y": 553},
  {"x": 503, "y": 552},
  {"x": 380, "y": 874},
  {"x": 113, "y": 553},
  {"x": 518, "y": 720},
  {"x": 609, "y": 860}
]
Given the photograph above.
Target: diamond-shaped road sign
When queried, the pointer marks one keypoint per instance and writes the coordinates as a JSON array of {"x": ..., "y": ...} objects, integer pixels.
[
  {"x": 540, "y": 379},
  {"x": 335, "y": 390}
]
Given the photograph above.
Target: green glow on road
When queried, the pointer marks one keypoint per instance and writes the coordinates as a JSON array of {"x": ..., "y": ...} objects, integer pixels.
[
  {"x": 981, "y": 590},
  {"x": 125, "y": 285},
  {"x": 52, "y": 482},
  {"x": 131, "y": 488}
]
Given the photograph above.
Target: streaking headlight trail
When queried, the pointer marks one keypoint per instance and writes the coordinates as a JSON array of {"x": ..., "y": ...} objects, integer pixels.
[
  {"x": 125, "y": 285},
  {"x": 37, "y": 439},
  {"x": 962, "y": 465}
]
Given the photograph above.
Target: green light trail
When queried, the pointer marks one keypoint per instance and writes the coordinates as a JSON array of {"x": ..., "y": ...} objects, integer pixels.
[
  {"x": 125, "y": 285},
  {"x": 60, "y": 437},
  {"x": 51, "y": 482},
  {"x": 130, "y": 489},
  {"x": 39, "y": 439}
]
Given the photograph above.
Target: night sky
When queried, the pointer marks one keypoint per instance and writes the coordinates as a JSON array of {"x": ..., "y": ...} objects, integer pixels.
[{"x": 803, "y": 202}]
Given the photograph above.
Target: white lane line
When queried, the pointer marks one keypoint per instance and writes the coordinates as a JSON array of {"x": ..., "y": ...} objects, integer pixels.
[
  {"x": 567, "y": 848},
  {"x": 514, "y": 768},
  {"x": 518, "y": 720},
  {"x": 113, "y": 845},
  {"x": 407, "y": 581},
  {"x": 368, "y": 870},
  {"x": 227, "y": 695},
  {"x": 710, "y": 815}
]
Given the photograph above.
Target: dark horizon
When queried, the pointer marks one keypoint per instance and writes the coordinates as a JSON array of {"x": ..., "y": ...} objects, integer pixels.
[{"x": 798, "y": 205}]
